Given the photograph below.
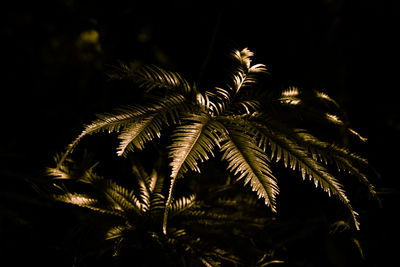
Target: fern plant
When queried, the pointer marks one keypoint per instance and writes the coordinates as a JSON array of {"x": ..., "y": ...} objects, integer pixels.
[
  {"x": 136, "y": 214},
  {"x": 249, "y": 125}
]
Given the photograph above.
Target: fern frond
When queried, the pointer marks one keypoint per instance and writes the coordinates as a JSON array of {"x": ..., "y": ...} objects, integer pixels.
[
  {"x": 84, "y": 201},
  {"x": 107, "y": 122},
  {"x": 145, "y": 194},
  {"x": 340, "y": 156},
  {"x": 152, "y": 180},
  {"x": 192, "y": 142},
  {"x": 123, "y": 199},
  {"x": 58, "y": 173},
  {"x": 146, "y": 127},
  {"x": 318, "y": 147},
  {"x": 181, "y": 204},
  {"x": 116, "y": 232},
  {"x": 159, "y": 182},
  {"x": 246, "y": 74},
  {"x": 248, "y": 161},
  {"x": 81, "y": 200},
  {"x": 247, "y": 107},
  {"x": 308, "y": 108},
  {"x": 290, "y": 96},
  {"x": 295, "y": 156},
  {"x": 323, "y": 96},
  {"x": 137, "y": 134},
  {"x": 152, "y": 77}
]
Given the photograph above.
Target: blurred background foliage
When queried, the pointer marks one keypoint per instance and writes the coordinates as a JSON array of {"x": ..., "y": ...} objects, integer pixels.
[{"x": 56, "y": 55}]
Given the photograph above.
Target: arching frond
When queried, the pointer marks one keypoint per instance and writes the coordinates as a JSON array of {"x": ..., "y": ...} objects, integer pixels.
[
  {"x": 325, "y": 97},
  {"x": 148, "y": 126},
  {"x": 342, "y": 157},
  {"x": 249, "y": 161},
  {"x": 109, "y": 122},
  {"x": 83, "y": 200},
  {"x": 295, "y": 156},
  {"x": 320, "y": 148},
  {"x": 140, "y": 132},
  {"x": 152, "y": 77}
]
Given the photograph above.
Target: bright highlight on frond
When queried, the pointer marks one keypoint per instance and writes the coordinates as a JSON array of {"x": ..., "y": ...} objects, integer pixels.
[
  {"x": 248, "y": 161},
  {"x": 290, "y": 96},
  {"x": 244, "y": 56},
  {"x": 325, "y": 97},
  {"x": 333, "y": 118},
  {"x": 364, "y": 139},
  {"x": 291, "y": 91},
  {"x": 77, "y": 199},
  {"x": 191, "y": 143}
]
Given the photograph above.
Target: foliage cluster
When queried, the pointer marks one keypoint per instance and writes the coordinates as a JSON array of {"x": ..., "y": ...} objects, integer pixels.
[{"x": 245, "y": 125}]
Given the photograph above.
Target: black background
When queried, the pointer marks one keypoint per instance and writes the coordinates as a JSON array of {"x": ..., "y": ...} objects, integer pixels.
[{"x": 51, "y": 84}]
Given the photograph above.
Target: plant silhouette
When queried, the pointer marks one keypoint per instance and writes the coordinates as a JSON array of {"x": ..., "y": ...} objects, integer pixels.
[
  {"x": 250, "y": 125},
  {"x": 133, "y": 216}
]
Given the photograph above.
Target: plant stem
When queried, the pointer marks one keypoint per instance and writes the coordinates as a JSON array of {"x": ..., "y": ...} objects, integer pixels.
[{"x": 168, "y": 205}]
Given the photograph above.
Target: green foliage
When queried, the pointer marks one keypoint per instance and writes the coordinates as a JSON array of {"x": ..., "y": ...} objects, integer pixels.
[{"x": 247, "y": 122}]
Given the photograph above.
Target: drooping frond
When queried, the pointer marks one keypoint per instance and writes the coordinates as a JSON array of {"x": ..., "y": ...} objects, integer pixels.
[
  {"x": 249, "y": 161},
  {"x": 342, "y": 157},
  {"x": 148, "y": 126},
  {"x": 82, "y": 200},
  {"x": 140, "y": 132},
  {"x": 152, "y": 77},
  {"x": 318, "y": 147},
  {"x": 109, "y": 122},
  {"x": 295, "y": 156}
]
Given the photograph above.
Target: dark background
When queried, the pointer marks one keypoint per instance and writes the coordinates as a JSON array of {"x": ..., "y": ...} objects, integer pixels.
[{"x": 53, "y": 81}]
